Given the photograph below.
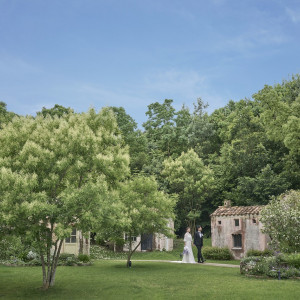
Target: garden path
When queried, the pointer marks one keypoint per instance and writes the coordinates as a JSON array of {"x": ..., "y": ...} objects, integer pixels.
[{"x": 178, "y": 261}]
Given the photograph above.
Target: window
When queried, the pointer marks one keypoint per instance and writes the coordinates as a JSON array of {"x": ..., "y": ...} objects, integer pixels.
[
  {"x": 237, "y": 240},
  {"x": 133, "y": 238},
  {"x": 219, "y": 222},
  {"x": 254, "y": 221},
  {"x": 236, "y": 222},
  {"x": 72, "y": 238}
]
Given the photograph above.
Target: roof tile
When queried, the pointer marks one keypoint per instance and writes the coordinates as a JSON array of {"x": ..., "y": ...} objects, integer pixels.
[{"x": 237, "y": 210}]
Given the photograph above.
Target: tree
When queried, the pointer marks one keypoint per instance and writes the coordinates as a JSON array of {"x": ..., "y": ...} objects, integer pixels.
[
  {"x": 56, "y": 110},
  {"x": 188, "y": 177},
  {"x": 202, "y": 135},
  {"x": 160, "y": 132},
  {"x": 258, "y": 189},
  {"x": 57, "y": 173},
  {"x": 281, "y": 220},
  {"x": 147, "y": 209},
  {"x": 5, "y": 116},
  {"x": 134, "y": 138}
]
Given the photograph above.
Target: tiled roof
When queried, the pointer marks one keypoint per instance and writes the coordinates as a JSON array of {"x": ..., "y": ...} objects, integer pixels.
[{"x": 237, "y": 210}]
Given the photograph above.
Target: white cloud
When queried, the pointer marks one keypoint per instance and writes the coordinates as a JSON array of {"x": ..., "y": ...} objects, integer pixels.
[
  {"x": 174, "y": 81},
  {"x": 293, "y": 15},
  {"x": 10, "y": 65}
]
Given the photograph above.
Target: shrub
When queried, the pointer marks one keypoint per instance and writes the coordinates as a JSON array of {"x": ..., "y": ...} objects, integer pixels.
[
  {"x": 65, "y": 259},
  {"x": 66, "y": 256},
  {"x": 98, "y": 252},
  {"x": 34, "y": 262},
  {"x": 84, "y": 258},
  {"x": 11, "y": 246},
  {"x": 292, "y": 260},
  {"x": 253, "y": 252},
  {"x": 268, "y": 266},
  {"x": 217, "y": 253}
]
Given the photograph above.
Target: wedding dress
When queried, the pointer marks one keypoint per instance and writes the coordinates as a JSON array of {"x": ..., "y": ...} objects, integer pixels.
[{"x": 188, "y": 256}]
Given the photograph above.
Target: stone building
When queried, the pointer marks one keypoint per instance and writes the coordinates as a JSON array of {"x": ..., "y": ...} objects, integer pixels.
[
  {"x": 76, "y": 241},
  {"x": 238, "y": 228},
  {"x": 153, "y": 241},
  {"x": 149, "y": 242}
]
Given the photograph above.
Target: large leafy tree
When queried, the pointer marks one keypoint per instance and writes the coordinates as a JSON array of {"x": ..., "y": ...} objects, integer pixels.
[
  {"x": 56, "y": 110},
  {"x": 281, "y": 219},
  {"x": 56, "y": 174},
  {"x": 280, "y": 116},
  {"x": 161, "y": 135},
  {"x": 145, "y": 209},
  {"x": 5, "y": 116},
  {"x": 191, "y": 180},
  {"x": 134, "y": 138},
  {"x": 202, "y": 136}
]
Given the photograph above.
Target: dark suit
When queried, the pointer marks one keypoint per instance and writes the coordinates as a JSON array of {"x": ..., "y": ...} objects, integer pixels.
[{"x": 198, "y": 241}]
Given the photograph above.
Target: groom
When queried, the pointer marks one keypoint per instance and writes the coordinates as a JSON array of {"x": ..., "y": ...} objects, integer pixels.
[{"x": 198, "y": 242}]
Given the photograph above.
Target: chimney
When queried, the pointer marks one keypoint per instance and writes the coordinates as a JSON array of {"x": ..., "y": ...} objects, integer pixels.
[{"x": 227, "y": 203}]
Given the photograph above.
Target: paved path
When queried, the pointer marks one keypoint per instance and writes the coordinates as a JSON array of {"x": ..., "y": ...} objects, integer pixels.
[{"x": 179, "y": 262}]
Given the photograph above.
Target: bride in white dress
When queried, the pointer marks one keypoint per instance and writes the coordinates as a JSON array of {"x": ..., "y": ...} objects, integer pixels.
[{"x": 188, "y": 256}]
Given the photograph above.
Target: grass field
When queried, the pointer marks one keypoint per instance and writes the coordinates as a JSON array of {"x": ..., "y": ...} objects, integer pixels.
[
  {"x": 173, "y": 255},
  {"x": 145, "y": 280}
]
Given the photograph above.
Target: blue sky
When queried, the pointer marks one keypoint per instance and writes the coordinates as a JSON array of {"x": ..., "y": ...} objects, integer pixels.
[{"x": 130, "y": 53}]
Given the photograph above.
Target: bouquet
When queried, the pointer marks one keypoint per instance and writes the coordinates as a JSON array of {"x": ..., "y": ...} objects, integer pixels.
[{"x": 185, "y": 250}]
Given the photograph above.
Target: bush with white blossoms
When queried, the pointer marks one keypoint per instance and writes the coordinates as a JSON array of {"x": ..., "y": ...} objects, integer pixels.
[
  {"x": 32, "y": 255},
  {"x": 281, "y": 219}
]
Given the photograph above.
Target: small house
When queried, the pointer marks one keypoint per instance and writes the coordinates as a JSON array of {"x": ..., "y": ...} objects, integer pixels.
[
  {"x": 75, "y": 243},
  {"x": 154, "y": 241},
  {"x": 238, "y": 228}
]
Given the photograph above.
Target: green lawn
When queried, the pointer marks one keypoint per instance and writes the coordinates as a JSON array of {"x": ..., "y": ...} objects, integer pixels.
[
  {"x": 145, "y": 280},
  {"x": 161, "y": 255}
]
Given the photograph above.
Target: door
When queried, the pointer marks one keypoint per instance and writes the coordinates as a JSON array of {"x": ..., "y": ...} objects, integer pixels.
[{"x": 146, "y": 243}]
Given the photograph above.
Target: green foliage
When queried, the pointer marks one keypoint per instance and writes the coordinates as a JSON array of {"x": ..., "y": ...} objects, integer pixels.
[
  {"x": 5, "y": 116},
  {"x": 268, "y": 266},
  {"x": 147, "y": 209},
  {"x": 134, "y": 138},
  {"x": 281, "y": 219},
  {"x": 57, "y": 110},
  {"x": 84, "y": 258},
  {"x": 58, "y": 173},
  {"x": 292, "y": 259},
  {"x": 216, "y": 253},
  {"x": 11, "y": 246},
  {"x": 253, "y": 252},
  {"x": 32, "y": 259},
  {"x": 191, "y": 180},
  {"x": 66, "y": 256},
  {"x": 100, "y": 252}
]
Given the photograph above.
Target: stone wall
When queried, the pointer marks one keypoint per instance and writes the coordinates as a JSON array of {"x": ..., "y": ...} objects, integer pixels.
[{"x": 249, "y": 227}]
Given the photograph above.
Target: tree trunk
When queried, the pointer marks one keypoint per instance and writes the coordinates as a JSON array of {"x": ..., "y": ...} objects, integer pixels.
[
  {"x": 49, "y": 276},
  {"x": 80, "y": 243},
  {"x": 53, "y": 269},
  {"x": 45, "y": 287},
  {"x": 131, "y": 252}
]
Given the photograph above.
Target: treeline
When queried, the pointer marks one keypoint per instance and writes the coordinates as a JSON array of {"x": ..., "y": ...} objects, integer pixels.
[{"x": 246, "y": 151}]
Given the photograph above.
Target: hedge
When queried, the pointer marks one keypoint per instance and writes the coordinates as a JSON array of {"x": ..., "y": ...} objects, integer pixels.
[{"x": 216, "y": 253}]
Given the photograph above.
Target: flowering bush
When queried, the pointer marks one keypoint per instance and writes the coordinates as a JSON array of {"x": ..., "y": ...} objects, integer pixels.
[
  {"x": 281, "y": 219},
  {"x": 31, "y": 255},
  {"x": 99, "y": 252},
  {"x": 65, "y": 259},
  {"x": 268, "y": 266}
]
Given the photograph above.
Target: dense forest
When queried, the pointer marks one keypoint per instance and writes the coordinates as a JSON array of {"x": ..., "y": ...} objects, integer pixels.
[{"x": 246, "y": 151}]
